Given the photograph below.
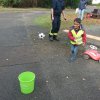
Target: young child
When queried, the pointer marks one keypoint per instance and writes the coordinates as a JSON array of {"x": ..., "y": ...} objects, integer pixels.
[{"x": 77, "y": 37}]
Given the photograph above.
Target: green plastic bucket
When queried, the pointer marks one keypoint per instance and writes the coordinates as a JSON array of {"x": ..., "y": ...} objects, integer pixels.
[{"x": 27, "y": 81}]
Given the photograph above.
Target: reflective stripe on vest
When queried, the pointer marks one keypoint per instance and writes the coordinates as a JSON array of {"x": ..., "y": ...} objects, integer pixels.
[
  {"x": 55, "y": 33},
  {"x": 77, "y": 36},
  {"x": 50, "y": 33}
]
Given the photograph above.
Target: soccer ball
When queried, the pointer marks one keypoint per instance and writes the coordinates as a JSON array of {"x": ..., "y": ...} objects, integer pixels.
[{"x": 41, "y": 35}]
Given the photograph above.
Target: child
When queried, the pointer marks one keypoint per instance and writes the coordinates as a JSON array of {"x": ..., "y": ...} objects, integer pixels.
[{"x": 77, "y": 37}]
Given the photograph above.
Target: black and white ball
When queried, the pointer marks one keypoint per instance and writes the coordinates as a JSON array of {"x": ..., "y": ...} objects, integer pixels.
[{"x": 41, "y": 35}]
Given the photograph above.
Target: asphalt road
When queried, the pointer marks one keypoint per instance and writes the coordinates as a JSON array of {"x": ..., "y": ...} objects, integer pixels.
[{"x": 56, "y": 78}]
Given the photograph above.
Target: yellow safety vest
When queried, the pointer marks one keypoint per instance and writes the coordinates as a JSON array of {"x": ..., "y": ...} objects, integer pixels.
[{"x": 77, "y": 36}]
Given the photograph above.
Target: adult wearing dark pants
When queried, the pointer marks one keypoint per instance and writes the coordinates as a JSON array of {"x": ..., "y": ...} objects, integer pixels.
[{"x": 58, "y": 7}]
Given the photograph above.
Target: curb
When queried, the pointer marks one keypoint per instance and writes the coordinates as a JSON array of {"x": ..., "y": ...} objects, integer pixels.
[{"x": 94, "y": 40}]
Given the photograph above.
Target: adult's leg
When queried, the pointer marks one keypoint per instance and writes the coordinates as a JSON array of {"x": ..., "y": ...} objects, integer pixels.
[
  {"x": 57, "y": 28},
  {"x": 82, "y": 14},
  {"x": 53, "y": 30},
  {"x": 54, "y": 25}
]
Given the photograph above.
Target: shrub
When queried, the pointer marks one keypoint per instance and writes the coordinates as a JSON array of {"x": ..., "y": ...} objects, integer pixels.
[
  {"x": 9, "y": 3},
  {"x": 35, "y": 3}
]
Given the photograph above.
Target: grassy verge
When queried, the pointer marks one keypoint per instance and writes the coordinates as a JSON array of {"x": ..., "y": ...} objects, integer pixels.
[
  {"x": 45, "y": 21},
  {"x": 3, "y": 9}
]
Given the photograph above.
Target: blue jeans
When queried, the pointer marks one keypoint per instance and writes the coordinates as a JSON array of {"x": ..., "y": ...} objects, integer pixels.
[
  {"x": 74, "y": 50},
  {"x": 81, "y": 14}
]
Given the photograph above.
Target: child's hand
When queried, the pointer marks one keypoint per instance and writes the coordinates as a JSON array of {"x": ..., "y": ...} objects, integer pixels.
[
  {"x": 66, "y": 31},
  {"x": 84, "y": 44}
]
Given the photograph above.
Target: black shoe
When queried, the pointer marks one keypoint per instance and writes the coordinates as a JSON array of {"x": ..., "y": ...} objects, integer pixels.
[
  {"x": 55, "y": 38},
  {"x": 50, "y": 37}
]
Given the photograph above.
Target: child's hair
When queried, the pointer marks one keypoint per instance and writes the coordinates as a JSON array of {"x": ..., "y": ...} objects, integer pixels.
[{"x": 78, "y": 20}]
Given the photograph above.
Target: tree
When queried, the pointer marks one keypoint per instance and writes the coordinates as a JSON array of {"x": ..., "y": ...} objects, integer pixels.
[{"x": 35, "y": 3}]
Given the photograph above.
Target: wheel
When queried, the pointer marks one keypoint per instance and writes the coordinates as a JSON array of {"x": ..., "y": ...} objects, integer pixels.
[
  {"x": 86, "y": 56},
  {"x": 99, "y": 60}
]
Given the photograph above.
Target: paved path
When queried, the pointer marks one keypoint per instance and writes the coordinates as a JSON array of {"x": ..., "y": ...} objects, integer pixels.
[
  {"x": 17, "y": 54},
  {"x": 93, "y": 36},
  {"x": 93, "y": 31}
]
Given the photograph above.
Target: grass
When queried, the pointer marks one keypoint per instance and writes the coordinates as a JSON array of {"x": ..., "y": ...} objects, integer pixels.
[
  {"x": 45, "y": 21},
  {"x": 2, "y": 9}
]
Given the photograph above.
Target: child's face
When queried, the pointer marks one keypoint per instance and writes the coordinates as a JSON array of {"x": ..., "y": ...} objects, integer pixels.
[{"x": 76, "y": 26}]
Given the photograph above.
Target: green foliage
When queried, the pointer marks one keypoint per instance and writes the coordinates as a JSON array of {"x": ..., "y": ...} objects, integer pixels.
[
  {"x": 89, "y": 2},
  {"x": 9, "y": 3},
  {"x": 36, "y": 3},
  {"x": 72, "y": 3},
  {"x": 44, "y": 3},
  {"x": 16, "y": 1}
]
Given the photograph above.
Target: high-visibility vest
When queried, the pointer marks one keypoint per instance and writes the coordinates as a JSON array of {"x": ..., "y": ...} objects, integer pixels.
[{"x": 77, "y": 36}]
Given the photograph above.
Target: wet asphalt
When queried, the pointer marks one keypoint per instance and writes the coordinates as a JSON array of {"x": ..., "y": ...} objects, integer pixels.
[{"x": 56, "y": 79}]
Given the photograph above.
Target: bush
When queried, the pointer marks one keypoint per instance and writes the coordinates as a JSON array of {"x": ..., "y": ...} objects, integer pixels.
[
  {"x": 35, "y": 3},
  {"x": 9, "y": 3},
  {"x": 44, "y": 3},
  {"x": 72, "y": 3},
  {"x": 22, "y": 3}
]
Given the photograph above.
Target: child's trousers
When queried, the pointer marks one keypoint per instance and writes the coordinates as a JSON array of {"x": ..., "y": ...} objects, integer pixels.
[{"x": 74, "y": 50}]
